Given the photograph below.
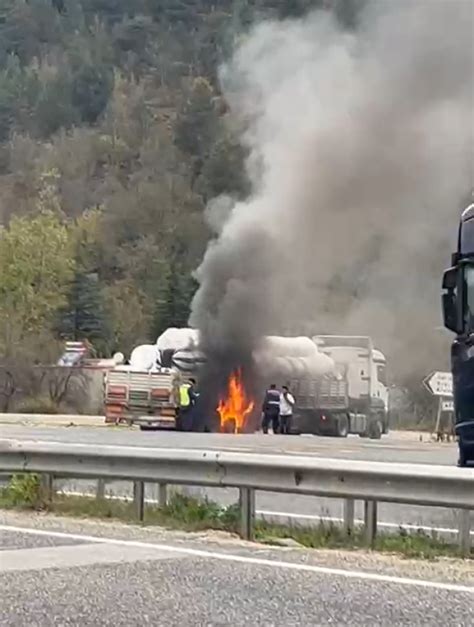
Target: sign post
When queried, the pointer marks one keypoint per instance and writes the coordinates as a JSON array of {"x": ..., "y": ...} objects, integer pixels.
[{"x": 440, "y": 384}]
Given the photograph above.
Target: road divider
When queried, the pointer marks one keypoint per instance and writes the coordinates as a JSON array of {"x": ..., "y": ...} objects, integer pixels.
[{"x": 350, "y": 480}]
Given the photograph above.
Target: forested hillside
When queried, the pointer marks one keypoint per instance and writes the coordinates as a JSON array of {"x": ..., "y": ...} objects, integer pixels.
[{"x": 113, "y": 137}]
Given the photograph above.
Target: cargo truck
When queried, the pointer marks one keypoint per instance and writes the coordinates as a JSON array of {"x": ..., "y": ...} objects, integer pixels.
[{"x": 353, "y": 398}]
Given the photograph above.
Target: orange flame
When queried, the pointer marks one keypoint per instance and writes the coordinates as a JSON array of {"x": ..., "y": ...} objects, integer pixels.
[{"x": 236, "y": 406}]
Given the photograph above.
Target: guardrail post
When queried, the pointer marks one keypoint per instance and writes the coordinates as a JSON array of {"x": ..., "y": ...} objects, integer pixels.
[
  {"x": 100, "y": 490},
  {"x": 247, "y": 512},
  {"x": 139, "y": 499},
  {"x": 348, "y": 516},
  {"x": 47, "y": 486},
  {"x": 464, "y": 535},
  {"x": 370, "y": 522},
  {"x": 162, "y": 495}
]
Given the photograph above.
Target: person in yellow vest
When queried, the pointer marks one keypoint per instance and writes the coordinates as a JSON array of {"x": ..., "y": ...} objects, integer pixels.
[{"x": 187, "y": 401}]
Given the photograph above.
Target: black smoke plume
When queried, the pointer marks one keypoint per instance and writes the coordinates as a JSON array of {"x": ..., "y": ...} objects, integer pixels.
[{"x": 360, "y": 148}]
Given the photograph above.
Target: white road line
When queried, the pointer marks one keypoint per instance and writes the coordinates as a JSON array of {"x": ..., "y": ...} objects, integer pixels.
[
  {"x": 242, "y": 559},
  {"x": 388, "y": 525}
]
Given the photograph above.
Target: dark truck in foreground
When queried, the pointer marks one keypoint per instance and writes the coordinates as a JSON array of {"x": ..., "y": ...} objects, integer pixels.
[{"x": 458, "y": 312}]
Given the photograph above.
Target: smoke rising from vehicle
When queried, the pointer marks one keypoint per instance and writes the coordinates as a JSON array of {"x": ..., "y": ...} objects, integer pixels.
[{"x": 360, "y": 150}]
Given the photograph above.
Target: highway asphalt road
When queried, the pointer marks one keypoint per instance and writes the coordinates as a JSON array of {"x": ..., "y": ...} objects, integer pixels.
[
  {"x": 396, "y": 447},
  {"x": 61, "y": 572}
]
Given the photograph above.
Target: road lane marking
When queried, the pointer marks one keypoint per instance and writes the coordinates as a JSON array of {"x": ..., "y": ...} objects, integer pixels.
[
  {"x": 243, "y": 559},
  {"x": 359, "y": 521},
  {"x": 40, "y": 558}
]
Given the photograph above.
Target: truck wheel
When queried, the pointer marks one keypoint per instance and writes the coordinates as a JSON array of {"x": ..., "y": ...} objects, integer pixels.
[
  {"x": 375, "y": 430},
  {"x": 342, "y": 426}
]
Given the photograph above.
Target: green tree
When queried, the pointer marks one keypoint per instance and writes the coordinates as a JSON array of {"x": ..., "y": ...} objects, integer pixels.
[
  {"x": 172, "y": 306},
  {"x": 83, "y": 317},
  {"x": 91, "y": 89},
  {"x": 12, "y": 82},
  {"x": 26, "y": 26},
  {"x": 54, "y": 108},
  {"x": 36, "y": 266},
  {"x": 196, "y": 123},
  {"x": 128, "y": 309},
  {"x": 224, "y": 170}
]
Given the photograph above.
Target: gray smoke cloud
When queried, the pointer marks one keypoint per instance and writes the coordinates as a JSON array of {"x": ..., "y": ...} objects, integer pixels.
[{"x": 360, "y": 152}]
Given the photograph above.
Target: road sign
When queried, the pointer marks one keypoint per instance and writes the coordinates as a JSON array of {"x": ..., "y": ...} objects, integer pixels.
[
  {"x": 440, "y": 384},
  {"x": 447, "y": 406}
]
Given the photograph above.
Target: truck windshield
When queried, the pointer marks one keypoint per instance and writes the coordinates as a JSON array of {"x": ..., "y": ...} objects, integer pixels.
[
  {"x": 466, "y": 237},
  {"x": 468, "y": 308},
  {"x": 381, "y": 374}
]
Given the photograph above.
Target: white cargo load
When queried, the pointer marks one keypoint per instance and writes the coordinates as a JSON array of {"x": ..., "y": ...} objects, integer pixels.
[
  {"x": 291, "y": 358},
  {"x": 178, "y": 339},
  {"x": 145, "y": 358}
]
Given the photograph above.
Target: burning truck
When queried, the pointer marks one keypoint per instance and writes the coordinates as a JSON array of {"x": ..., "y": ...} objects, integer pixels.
[{"x": 338, "y": 382}]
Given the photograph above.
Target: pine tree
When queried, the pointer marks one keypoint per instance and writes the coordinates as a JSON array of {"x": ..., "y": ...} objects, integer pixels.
[
  {"x": 173, "y": 304},
  {"x": 84, "y": 318}
]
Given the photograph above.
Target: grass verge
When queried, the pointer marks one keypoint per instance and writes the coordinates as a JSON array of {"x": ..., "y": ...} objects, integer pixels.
[{"x": 191, "y": 514}]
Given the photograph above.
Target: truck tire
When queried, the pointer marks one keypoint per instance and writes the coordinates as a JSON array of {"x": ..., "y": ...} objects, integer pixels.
[
  {"x": 375, "y": 430},
  {"x": 342, "y": 426}
]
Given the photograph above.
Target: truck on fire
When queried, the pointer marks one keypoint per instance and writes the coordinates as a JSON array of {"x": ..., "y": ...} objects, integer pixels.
[
  {"x": 458, "y": 312},
  {"x": 338, "y": 382}
]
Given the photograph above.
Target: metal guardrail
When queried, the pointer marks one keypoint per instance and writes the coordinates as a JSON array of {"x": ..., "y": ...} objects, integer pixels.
[{"x": 351, "y": 480}]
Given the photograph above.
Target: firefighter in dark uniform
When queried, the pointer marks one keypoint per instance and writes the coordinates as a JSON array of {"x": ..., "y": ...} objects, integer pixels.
[{"x": 271, "y": 409}]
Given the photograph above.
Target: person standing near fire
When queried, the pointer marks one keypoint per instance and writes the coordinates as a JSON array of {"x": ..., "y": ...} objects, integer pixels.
[
  {"x": 187, "y": 400},
  {"x": 287, "y": 402},
  {"x": 271, "y": 409}
]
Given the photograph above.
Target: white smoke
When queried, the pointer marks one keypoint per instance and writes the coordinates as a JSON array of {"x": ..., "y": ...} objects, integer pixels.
[{"x": 360, "y": 151}]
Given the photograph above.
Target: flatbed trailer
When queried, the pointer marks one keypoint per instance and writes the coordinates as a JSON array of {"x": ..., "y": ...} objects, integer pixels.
[{"x": 147, "y": 399}]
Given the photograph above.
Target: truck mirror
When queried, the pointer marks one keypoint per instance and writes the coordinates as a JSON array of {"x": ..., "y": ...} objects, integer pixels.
[
  {"x": 450, "y": 277},
  {"x": 450, "y": 314}
]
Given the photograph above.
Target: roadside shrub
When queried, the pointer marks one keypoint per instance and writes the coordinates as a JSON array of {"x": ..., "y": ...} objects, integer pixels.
[
  {"x": 37, "y": 405},
  {"x": 24, "y": 490}
]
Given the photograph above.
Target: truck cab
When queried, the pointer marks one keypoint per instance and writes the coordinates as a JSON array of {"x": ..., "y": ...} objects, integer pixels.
[
  {"x": 458, "y": 313},
  {"x": 365, "y": 368},
  {"x": 366, "y": 377}
]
